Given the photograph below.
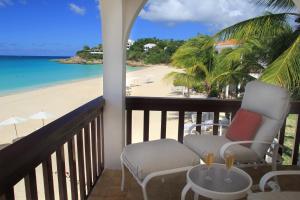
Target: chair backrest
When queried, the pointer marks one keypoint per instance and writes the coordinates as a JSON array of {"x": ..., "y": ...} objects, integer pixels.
[{"x": 273, "y": 103}]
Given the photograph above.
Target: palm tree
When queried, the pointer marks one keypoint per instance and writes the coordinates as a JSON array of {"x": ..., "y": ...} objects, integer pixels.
[
  {"x": 279, "y": 38},
  {"x": 201, "y": 67},
  {"x": 197, "y": 58},
  {"x": 235, "y": 65},
  {"x": 185, "y": 78}
]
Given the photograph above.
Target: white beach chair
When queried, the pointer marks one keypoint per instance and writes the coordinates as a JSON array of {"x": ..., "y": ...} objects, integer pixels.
[{"x": 273, "y": 104}]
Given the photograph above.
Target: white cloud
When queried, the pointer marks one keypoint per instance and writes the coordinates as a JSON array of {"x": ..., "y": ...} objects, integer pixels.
[
  {"x": 77, "y": 9},
  {"x": 4, "y": 3},
  {"x": 217, "y": 13}
]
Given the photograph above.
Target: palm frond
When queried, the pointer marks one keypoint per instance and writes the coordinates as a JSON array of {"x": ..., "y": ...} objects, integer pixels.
[
  {"x": 279, "y": 45},
  {"x": 237, "y": 55},
  {"x": 198, "y": 69},
  {"x": 285, "y": 70},
  {"x": 182, "y": 78},
  {"x": 265, "y": 26},
  {"x": 194, "y": 51},
  {"x": 277, "y": 4}
]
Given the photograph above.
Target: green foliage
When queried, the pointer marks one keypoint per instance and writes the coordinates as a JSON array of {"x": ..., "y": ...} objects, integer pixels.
[
  {"x": 160, "y": 54},
  {"x": 285, "y": 70},
  {"x": 277, "y": 4},
  {"x": 196, "y": 50},
  {"x": 156, "y": 55},
  {"x": 86, "y": 48},
  {"x": 199, "y": 60},
  {"x": 85, "y": 53},
  {"x": 209, "y": 71},
  {"x": 277, "y": 46},
  {"x": 265, "y": 26}
]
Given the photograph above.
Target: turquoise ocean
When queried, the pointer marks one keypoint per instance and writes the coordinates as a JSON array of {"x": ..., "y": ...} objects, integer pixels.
[{"x": 18, "y": 73}]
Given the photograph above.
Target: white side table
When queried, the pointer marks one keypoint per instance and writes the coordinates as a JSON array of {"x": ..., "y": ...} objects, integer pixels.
[{"x": 216, "y": 187}]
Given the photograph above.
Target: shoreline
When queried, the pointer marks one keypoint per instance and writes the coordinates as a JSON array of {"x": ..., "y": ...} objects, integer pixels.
[
  {"x": 63, "y": 82},
  {"x": 62, "y": 98},
  {"x": 45, "y": 86}
]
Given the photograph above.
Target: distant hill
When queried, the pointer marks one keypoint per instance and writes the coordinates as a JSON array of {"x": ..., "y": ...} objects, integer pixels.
[{"x": 139, "y": 53}]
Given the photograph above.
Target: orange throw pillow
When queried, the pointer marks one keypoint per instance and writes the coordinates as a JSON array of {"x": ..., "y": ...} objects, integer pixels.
[{"x": 244, "y": 126}]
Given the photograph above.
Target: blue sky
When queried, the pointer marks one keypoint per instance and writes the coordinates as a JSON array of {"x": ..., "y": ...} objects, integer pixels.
[{"x": 61, "y": 27}]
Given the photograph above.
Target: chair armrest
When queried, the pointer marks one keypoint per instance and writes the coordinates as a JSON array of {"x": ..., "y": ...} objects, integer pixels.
[
  {"x": 227, "y": 145},
  {"x": 205, "y": 124},
  {"x": 264, "y": 180}
]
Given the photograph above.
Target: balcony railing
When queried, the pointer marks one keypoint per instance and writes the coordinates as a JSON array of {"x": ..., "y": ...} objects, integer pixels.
[
  {"x": 73, "y": 145},
  {"x": 73, "y": 142},
  {"x": 182, "y": 106}
]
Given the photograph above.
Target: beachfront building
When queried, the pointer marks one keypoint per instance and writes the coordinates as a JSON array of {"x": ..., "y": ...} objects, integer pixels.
[
  {"x": 149, "y": 46},
  {"x": 226, "y": 44},
  {"x": 88, "y": 141},
  {"x": 96, "y": 52}
]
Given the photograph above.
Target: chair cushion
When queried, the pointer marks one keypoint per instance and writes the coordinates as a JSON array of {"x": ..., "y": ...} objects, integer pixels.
[
  {"x": 158, "y": 155},
  {"x": 273, "y": 103},
  {"x": 209, "y": 143},
  {"x": 274, "y": 195},
  {"x": 268, "y": 100},
  {"x": 266, "y": 132},
  {"x": 244, "y": 126}
]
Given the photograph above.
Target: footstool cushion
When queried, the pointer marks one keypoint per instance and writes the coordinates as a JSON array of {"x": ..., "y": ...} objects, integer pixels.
[{"x": 158, "y": 155}]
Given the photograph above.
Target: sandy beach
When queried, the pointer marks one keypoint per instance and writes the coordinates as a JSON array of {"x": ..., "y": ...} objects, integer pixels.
[{"x": 63, "y": 98}]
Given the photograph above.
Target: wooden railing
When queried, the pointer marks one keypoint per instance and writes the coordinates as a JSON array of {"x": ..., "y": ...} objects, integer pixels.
[
  {"x": 180, "y": 105},
  {"x": 72, "y": 144}
]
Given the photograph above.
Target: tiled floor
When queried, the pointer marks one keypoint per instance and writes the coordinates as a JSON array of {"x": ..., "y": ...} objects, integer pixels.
[{"x": 108, "y": 187}]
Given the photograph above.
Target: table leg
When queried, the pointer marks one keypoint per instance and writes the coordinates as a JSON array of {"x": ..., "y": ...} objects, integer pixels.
[{"x": 184, "y": 191}]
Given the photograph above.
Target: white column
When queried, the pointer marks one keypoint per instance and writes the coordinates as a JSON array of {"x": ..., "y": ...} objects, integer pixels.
[
  {"x": 117, "y": 19},
  {"x": 113, "y": 80}
]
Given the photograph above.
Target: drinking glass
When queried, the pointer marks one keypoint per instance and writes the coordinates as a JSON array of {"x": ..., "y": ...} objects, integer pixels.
[
  {"x": 229, "y": 161},
  {"x": 209, "y": 159}
]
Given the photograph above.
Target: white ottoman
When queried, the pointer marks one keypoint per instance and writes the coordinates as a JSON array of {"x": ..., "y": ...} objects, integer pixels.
[{"x": 156, "y": 158}]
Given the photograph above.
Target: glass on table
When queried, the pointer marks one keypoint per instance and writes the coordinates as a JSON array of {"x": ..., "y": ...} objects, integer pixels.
[
  {"x": 229, "y": 161},
  {"x": 209, "y": 159}
]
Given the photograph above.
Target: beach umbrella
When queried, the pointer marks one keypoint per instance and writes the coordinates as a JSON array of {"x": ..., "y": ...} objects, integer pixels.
[
  {"x": 13, "y": 121},
  {"x": 42, "y": 116}
]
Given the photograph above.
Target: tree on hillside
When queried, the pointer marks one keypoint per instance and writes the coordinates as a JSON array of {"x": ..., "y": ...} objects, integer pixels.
[
  {"x": 86, "y": 48},
  {"x": 161, "y": 53},
  {"x": 279, "y": 35},
  {"x": 86, "y": 54}
]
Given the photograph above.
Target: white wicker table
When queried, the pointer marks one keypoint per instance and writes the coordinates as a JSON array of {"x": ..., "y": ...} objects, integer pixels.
[{"x": 216, "y": 187}]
